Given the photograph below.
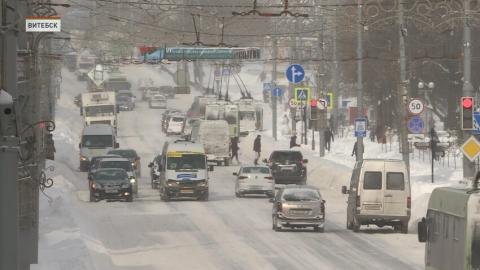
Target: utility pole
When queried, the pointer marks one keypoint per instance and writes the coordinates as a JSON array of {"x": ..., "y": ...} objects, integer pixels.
[
  {"x": 9, "y": 139},
  {"x": 320, "y": 85},
  {"x": 359, "y": 152},
  {"x": 467, "y": 89},
  {"x": 403, "y": 90},
  {"x": 274, "y": 83}
]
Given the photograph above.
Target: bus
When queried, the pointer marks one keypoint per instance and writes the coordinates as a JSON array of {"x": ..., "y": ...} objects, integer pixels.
[
  {"x": 451, "y": 229},
  {"x": 250, "y": 114}
]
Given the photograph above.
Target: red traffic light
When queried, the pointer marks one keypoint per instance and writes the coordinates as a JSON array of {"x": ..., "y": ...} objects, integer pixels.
[
  {"x": 467, "y": 102},
  {"x": 313, "y": 103}
]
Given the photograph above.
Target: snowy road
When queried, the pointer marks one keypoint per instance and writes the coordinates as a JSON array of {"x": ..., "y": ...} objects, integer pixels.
[{"x": 223, "y": 233}]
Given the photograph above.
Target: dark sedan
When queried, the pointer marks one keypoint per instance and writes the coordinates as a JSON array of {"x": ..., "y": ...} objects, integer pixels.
[{"x": 110, "y": 184}]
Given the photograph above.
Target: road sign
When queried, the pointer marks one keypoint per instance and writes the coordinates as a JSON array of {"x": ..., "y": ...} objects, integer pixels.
[
  {"x": 415, "y": 125},
  {"x": 267, "y": 86},
  {"x": 302, "y": 94},
  {"x": 415, "y": 106},
  {"x": 277, "y": 92},
  {"x": 329, "y": 99},
  {"x": 471, "y": 148},
  {"x": 416, "y": 137},
  {"x": 476, "y": 123},
  {"x": 361, "y": 127},
  {"x": 294, "y": 104},
  {"x": 295, "y": 73},
  {"x": 322, "y": 104}
]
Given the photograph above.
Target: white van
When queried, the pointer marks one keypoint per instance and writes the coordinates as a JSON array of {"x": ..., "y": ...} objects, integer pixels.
[
  {"x": 97, "y": 140},
  {"x": 214, "y": 135},
  {"x": 379, "y": 194},
  {"x": 183, "y": 171}
]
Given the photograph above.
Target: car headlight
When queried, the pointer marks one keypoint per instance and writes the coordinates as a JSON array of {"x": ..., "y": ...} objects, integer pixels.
[
  {"x": 83, "y": 158},
  {"x": 133, "y": 180},
  {"x": 203, "y": 183},
  {"x": 133, "y": 164},
  {"x": 172, "y": 183}
]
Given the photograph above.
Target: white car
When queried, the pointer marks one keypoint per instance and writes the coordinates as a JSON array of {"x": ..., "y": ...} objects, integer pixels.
[
  {"x": 158, "y": 101},
  {"x": 253, "y": 179},
  {"x": 176, "y": 124}
]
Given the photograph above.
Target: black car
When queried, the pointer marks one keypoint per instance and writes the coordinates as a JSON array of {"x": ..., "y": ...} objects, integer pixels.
[
  {"x": 95, "y": 160},
  {"x": 288, "y": 167},
  {"x": 112, "y": 184},
  {"x": 131, "y": 155}
]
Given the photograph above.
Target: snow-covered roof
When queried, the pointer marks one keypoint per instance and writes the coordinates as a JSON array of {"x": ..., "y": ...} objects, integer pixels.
[{"x": 185, "y": 146}]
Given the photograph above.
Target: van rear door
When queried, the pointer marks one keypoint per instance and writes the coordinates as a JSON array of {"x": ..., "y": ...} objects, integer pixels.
[
  {"x": 371, "y": 197},
  {"x": 396, "y": 190}
]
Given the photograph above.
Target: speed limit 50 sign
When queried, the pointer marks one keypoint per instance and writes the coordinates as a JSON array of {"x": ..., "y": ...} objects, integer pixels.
[{"x": 415, "y": 106}]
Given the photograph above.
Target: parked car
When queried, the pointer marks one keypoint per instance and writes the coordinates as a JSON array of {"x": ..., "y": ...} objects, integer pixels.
[
  {"x": 175, "y": 125},
  {"x": 158, "y": 101},
  {"x": 131, "y": 155},
  {"x": 253, "y": 179},
  {"x": 120, "y": 163},
  {"x": 167, "y": 91},
  {"x": 155, "y": 171},
  {"x": 110, "y": 184},
  {"x": 288, "y": 167},
  {"x": 297, "y": 206},
  {"x": 379, "y": 194}
]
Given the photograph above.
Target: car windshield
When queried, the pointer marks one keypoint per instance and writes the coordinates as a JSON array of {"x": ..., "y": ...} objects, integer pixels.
[
  {"x": 130, "y": 154},
  {"x": 247, "y": 115},
  {"x": 284, "y": 156},
  {"x": 177, "y": 119},
  {"x": 256, "y": 170},
  {"x": 301, "y": 195},
  {"x": 186, "y": 162},
  {"x": 126, "y": 165},
  {"x": 101, "y": 110},
  {"x": 115, "y": 86},
  {"x": 97, "y": 141},
  {"x": 111, "y": 175}
]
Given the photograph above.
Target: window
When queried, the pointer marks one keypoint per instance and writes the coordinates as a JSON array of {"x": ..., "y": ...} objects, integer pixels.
[
  {"x": 395, "y": 181},
  {"x": 97, "y": 141},
  {"x": 284, "y": 156},
  {"x": 476, "y": 246},
  {"x": 263, "y": 170},
  {"x": 126, "y": 165},
  {"x": 372, "y": 180},
  {"x": 186, "y": 162},
  {"x": 301, "y": 195}
]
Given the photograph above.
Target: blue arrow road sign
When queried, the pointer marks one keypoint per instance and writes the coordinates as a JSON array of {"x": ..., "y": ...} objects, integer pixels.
[
  {"x": 415, "y": 125},
  {"x": 295, "y": 73},
  {"x": 277, "y": 92},
  {"x": 361, "y": 127}
]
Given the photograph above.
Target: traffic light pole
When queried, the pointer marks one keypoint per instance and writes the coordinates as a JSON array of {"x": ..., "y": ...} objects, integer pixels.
[
  {"x": 467, "y": 89},
  {"x": 274, "y": 96}
]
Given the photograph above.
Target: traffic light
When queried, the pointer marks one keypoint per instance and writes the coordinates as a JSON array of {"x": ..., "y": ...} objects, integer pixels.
[
  {"x": 313, "y": 110},
  {"x": 467, "y": 113}
]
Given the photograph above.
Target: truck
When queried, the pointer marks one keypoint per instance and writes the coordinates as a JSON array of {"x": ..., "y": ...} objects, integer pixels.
[
  {"x": 99, "y": 108},
  {"x": 214, "y": 135},
  {"x": 85, "y": 64},
  {"x": 96, "y": 140}
]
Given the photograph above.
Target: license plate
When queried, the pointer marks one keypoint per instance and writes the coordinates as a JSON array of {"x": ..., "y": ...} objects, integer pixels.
[
  {"x": 187, "y": 191},
  {"x": 111, "y": 191},
  {"x": 299, "y": 212},
  {"x": 287, "y": 168}
]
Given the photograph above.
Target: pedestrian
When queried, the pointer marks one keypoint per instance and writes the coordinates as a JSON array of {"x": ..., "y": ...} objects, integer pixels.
[
  {"x": 372, "y": 134},
  {"x": 293, "y": 141},
  {"x": 354, "y": 151},
  {"x": 257, "y": 148},
  {"x": 234, "y": 148},
  {"x": 328, "y": 134}
]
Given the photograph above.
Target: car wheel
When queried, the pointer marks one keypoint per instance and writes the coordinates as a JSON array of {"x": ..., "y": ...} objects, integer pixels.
[
  {"x": 404, "y": 228},
  {"x": 355, "y": 225},
  {"x": 226, "y": 161},
  {"x": 237, "y": 194},
  {"x": 318, "y": 229},
  {"x": 270, "y": 195},
  {"x": 349, "y": 225},
  {"x": 204, "y": 197},
  {"x": 165, "y": 198},
  {"x": 275, "y": 225},
  {"x": 130, "y": 198}
]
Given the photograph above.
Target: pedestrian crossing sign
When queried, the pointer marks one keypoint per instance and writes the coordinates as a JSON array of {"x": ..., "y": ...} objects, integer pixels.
[{"x": 302, "y": 94}]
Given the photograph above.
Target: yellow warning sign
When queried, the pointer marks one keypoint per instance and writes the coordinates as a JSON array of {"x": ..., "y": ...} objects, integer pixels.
[{"x": 471, "y": 148}]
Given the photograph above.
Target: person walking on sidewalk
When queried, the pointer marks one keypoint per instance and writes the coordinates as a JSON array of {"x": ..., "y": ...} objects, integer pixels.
[
  {"x": 354, "y": 151},
  {"x": 234, "y": 148},
  {"x": 328, "y": 138},
  {"x": 257, "y": 148},
  {"x": 293, "y": 141}
]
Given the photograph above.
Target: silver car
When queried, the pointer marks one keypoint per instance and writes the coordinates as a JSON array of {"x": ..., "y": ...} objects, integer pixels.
[
  {"x": 254, "y": 180},
  {"x": 298, "y": 207}
]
